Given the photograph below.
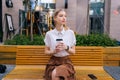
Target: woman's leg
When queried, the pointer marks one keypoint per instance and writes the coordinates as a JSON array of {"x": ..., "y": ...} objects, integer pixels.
[
  {"x": 54, "y": 77},
  {"x": 60, "y": 73}
]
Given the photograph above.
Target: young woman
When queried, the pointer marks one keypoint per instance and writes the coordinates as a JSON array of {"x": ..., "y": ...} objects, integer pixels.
[{"x": 59, "y": 44}]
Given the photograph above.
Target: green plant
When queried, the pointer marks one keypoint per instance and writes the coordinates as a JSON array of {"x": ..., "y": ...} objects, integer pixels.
[
  {"x": 24, "y": 40},
  {"x": 95, "y": 40},
  {"x": 37, "y": 40},
  {"x": 81, "y": 40}
]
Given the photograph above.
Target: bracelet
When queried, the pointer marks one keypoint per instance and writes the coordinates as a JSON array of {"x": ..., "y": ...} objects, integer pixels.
[{"x": 67, "y": 48}]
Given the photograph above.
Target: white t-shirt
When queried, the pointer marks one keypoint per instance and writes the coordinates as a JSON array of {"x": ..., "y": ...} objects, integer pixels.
[{"x": 67, "y": 36}]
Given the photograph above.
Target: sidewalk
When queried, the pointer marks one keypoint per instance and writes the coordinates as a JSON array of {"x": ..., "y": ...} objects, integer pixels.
[
  {"x": 9, "y": 68},
  {"x": 114, "y": 71},
  {"x": 1, "y": 43}
]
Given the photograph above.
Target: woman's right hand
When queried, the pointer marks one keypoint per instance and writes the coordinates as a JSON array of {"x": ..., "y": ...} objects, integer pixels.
[{"x": 60, "y": 47}]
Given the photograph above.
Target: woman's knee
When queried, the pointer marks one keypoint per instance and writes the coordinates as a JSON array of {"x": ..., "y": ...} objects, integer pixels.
[
  {"x": 54, "y": 77},
  {"x": 54, "y": 72}
]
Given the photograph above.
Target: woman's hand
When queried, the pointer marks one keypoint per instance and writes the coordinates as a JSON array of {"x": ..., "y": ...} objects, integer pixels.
[{"x": 60, "y": 47}]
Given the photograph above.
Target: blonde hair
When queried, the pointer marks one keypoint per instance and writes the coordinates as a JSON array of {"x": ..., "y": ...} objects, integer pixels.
[{"x": 56, "y": 13}]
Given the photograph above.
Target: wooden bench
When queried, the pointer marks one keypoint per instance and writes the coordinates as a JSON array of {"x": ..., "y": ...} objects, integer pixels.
[
  {"x": 31, "y": 61},
  {"x": 7, "y": 54},
  {"x": 111, "y": 56}
]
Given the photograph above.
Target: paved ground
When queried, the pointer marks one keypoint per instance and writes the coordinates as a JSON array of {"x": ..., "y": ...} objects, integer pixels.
[
  {"x": 9, "y": 68},
  {"x": 113, "y": 71}
]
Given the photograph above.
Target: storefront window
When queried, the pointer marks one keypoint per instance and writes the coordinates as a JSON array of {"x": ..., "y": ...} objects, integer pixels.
[
  {"x": 96, "y": 16},
  {"x": 44, "y": 4},
  {"x": 41, "y": 20}
]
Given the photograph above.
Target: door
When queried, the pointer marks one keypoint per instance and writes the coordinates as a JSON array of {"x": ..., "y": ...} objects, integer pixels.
[{"x": 96, "y": 16}]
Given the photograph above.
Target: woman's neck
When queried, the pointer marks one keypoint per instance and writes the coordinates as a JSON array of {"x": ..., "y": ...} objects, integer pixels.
[{"x": 59, "y": 27}]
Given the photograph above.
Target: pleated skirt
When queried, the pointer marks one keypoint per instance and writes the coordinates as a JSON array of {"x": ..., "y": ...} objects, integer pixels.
[{"x": 64, "y": 68}]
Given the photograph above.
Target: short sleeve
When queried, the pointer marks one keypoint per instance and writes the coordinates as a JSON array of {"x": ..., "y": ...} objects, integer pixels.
[
  {"x": 47, "y": 39},
  {"x": 73, "y": 39}
]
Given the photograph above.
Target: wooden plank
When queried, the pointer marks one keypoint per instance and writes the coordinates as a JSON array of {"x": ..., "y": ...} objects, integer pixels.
[
  {"x": 109, "y": 50},
  {"x": 8, "y": 48},
  {"x": 7, "y": 54},
  {"x": 112, "y": 63},
  {"x": 8, "y": 61},
  {"x": 111, "y": 56},
  {"x": 7, "y": 57},
  {"x": 35, "y": 72}
]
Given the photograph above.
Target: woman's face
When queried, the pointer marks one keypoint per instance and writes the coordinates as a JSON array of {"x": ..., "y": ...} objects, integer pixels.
[{"x": 60, "y": 18}]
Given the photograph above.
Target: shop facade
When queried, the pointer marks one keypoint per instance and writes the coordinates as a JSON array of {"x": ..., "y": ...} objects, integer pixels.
[{"x": 84, "y": 16}]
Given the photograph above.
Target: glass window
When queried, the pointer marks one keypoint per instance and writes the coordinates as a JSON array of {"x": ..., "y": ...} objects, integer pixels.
[
  {"x": 44, "y": 4},
  {"x": 41, "y": 11},
  {"x": 96, "y": 16},
  {"x": 47, "y": 1}
]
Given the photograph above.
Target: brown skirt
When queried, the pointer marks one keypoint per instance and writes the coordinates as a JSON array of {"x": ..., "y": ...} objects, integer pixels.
[{"x": 64, "y": 68}]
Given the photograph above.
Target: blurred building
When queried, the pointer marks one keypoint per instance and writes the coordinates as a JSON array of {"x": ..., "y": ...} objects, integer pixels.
[{"x": 84, "y": 16}]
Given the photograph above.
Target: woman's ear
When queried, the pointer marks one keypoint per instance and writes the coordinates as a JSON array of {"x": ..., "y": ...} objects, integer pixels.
[{"x": 54, "y": 18}]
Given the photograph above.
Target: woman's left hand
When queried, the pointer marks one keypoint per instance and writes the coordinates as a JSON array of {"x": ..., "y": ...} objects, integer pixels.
[{"x": 61, "y": 46}]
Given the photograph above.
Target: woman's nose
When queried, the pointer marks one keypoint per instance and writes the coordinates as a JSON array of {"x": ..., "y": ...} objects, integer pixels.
[{"x": 64, "y": 18}]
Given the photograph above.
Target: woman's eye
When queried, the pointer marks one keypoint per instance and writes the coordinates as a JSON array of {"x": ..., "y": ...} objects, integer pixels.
[{"x": 60, "y": 15}]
